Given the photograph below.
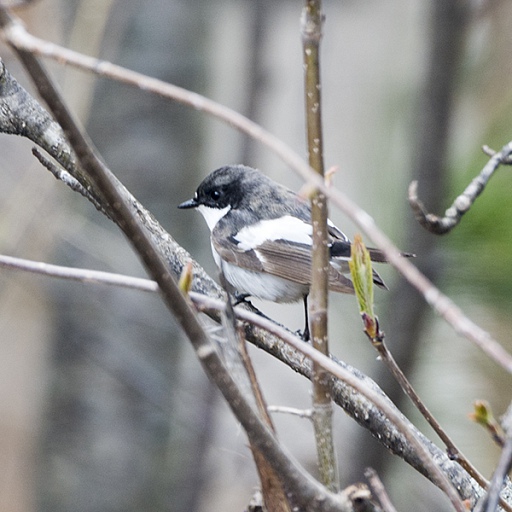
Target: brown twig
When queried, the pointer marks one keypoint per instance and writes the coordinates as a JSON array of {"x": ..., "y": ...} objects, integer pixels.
[
  {"x": 66, "y": 178},
  {"x": 452, "y": 450},
  {"x": 362, "y": 276},
  {"x": 274, "y": 495},
  {"x": 311, "y": 31},
  {"x": 491, "y": 501},
  {"x": 379, "y": 490}
]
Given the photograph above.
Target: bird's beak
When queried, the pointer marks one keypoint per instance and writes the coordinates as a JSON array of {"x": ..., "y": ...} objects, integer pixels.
[{"x": 191, "y": 203}]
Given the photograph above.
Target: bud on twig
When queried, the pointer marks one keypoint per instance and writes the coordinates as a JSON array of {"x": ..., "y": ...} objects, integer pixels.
[
  {"x": 362, "y": 276},
  {"x": 186, "y": 278}
]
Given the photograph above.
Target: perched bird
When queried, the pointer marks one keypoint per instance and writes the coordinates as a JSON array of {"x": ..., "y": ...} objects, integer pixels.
[{"x": 261, "y": 237}]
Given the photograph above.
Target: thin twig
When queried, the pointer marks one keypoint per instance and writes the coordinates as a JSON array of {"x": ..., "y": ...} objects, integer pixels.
[
  {"x": 78, "y": 274},
  {"x": 462, "y": 204},
  {"x": 274, "y": 495},
  {"x": 301, "y": 413},
  {"x": 490, "y": 502},
  {"x": 379, "y": 490},
  {"x": 311, "y": 31},
  {"x": 16, "y": 35},
  {"x": 362, "y": 277},
  {"x": 66, "y": 178},
  {"x": 453, "y": 451},
  {"x": 240, "y": 365}
]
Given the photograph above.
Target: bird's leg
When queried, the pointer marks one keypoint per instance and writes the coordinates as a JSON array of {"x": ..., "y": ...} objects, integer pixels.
[
  {"x": 305, "y": 334},
  {"x": 240, "y": 297}
]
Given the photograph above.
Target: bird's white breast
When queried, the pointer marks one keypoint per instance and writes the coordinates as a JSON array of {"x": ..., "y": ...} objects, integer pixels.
[{"x": 261, "y": 285}]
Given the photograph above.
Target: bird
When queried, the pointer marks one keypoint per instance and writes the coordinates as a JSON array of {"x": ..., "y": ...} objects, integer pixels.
[{"x": 261, "y": 237}]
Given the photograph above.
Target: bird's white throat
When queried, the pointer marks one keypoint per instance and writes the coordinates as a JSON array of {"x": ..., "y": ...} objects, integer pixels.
[{"x": 212, "y": 215}]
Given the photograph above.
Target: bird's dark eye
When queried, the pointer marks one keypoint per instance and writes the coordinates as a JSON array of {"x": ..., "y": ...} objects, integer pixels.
[{"x": 215, "y": 195}]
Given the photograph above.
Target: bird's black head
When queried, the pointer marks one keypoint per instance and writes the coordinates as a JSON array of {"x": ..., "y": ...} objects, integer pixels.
[{"x": 227, "y": 186}]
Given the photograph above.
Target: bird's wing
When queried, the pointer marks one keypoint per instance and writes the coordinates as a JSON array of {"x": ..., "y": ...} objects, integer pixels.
[
  {"x": 293, "y": 261},
  {"x": 281, "y": 257}
]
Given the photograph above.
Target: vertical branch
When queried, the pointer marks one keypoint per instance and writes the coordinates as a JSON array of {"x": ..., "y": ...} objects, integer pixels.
[{"x": 311, "y": 28}]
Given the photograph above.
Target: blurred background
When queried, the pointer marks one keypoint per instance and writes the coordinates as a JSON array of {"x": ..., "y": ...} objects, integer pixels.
[{"x": 103, "y": 406}]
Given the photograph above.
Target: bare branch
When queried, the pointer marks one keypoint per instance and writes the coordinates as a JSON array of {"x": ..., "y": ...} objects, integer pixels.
[
  {"x": 492, "y": 499},
  {"x": 301, "y": 413},
  {"x": 240, "y": 365},
  {"x": 367, "y": 413},
  {"x": 378, "y": 490},
  {"x": 66, "y": 178},
  {"x": 453, "y": 215},
  {"x": 453, "y": 451},
  {"x": 78, "y": 274},
  {"x": 311, "y": 31}
]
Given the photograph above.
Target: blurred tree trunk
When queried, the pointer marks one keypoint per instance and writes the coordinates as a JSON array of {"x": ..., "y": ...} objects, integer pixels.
[
  {"x": 405, "y": 318},
  {"x": 113, "y": 440}
]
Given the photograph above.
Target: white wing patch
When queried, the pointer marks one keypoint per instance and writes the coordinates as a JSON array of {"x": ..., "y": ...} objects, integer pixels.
[
  {"x": 287, "y": 228},
  {"x": 212, "y": 215}
]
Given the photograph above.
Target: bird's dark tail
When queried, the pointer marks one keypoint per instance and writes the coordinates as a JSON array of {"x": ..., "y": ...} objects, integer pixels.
[
  {"x": 379, "y": 257},
  {"x": 341, "y": 249}
]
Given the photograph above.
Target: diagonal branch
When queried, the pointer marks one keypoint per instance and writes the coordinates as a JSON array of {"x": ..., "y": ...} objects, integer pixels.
[
  {"x": 365, "y": 387},
  {"x": 367, "y": 413}
]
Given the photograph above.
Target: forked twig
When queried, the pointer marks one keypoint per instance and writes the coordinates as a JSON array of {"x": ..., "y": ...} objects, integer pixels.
[{"x": 462, "y": 204}]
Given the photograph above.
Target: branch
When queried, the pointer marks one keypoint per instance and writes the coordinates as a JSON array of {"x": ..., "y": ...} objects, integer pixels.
[
  {"x": 453, "y": 215},
  {"x": 378, "y": 490},
  {"x": 374, "y": 412},
  {"x": 311, "y": 30},
  {"x": 17, "y": 36},
  {"x": 492, "y": 499},
  {"x": 273, "y": 491},
  {"x": 451, "y": 448}
]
